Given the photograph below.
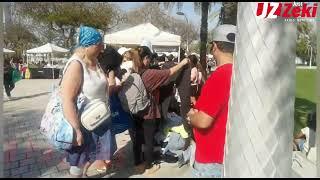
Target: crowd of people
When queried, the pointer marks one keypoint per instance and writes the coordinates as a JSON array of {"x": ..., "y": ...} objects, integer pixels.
[{"x": 185, "y": 109}]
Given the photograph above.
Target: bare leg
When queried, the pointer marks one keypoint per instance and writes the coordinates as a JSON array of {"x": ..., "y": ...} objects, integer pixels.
[{"x": 85, "y": 169}]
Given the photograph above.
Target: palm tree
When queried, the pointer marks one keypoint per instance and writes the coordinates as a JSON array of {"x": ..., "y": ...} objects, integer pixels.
[
  {"x": 228, "y": 13},
  {"x": 261, "y": 107},
  {"x": 203, "y": 8}
]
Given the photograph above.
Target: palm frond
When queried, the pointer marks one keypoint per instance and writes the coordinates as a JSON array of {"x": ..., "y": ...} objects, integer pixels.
[
  {"x": 197, "y": 7},
  {"x": 179, "y": 6}
]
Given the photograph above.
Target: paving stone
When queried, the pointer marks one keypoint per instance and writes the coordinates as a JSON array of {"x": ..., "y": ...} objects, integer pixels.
[
  {"x": 26, "y": 162},
  {"x": 32, "y": 174},
  {"x": 6, "y": 173},
  {"x": 16, "y": 157},
  {"x": 59, "y": 174},
  {"x": 18, "y": 171},
  {"x": 16, "y": 176},
  {"x": 11, "y": 165},
  {"x": 48, "y": 171},
  {"x": 34, "y": 167},
  {"x": 62, "y": 166}
]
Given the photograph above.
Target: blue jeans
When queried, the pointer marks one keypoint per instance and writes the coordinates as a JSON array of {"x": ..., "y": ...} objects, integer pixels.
[{"x": 211, "y": 170}]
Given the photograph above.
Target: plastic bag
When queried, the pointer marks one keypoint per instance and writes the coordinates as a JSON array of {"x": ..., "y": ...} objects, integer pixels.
[{"x": 16, "y": 76}]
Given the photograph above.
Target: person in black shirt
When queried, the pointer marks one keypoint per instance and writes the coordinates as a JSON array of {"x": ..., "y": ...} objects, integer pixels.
[{"x": 7, "y": 78}]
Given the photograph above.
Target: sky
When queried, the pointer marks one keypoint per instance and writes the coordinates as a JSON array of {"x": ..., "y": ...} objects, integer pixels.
[{"x": 187, "y": 9}]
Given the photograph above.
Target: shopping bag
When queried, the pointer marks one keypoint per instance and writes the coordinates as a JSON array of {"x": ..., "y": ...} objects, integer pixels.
[
  {"x": 120, "y": 120},
  {"x": 55, "y": 126},
  {"x": 16, "y": 75}
]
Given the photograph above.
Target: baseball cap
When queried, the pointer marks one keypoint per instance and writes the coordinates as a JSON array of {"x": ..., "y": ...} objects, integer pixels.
[
  {"x": 224, "y": 33},
  {"x": 122, "y": 50}
]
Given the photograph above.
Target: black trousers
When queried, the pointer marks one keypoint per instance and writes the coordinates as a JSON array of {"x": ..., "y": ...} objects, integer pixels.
[
  {"x": 9, "y": 87},
  {"x": 143, "y": 132}
]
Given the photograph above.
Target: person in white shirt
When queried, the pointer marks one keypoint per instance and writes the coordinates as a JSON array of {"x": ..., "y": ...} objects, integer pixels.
[
  {"x": 126, "y": 62},
  {"x": 305, "y": 140}
]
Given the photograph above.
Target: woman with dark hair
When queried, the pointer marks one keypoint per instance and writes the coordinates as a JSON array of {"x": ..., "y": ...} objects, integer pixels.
[
  {"x": 194, "y": 78},
  {"x": 153, "y": 79},
  {"x": 7, "y": 77}
]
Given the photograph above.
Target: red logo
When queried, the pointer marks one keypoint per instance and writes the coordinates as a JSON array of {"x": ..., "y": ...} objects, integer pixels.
[{"x": 286, "y": 10}]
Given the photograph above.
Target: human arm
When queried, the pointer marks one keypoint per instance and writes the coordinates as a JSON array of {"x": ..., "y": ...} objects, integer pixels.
[
  {"x": 213, "y": 100},
  {"x": 300, "y": 135},
  {"x": 112, "y": 83},
  {"x": 179, "y": 66},
  {"x": 199, "y": 119},
  {"x": 70, "y": 87},
  {"x": 193, "y": 74}
]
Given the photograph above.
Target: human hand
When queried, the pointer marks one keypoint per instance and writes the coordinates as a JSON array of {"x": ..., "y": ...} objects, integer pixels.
[
  {"x": 190, "y": 114},
  {"x": 111, "y": 74},
  {"x": 79, "y": 138}
]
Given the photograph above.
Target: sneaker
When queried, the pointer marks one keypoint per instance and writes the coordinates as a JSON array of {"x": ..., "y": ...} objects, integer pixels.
[
  {"x": 152, "y": 170},
  {"x": 75, "y": 171},
  {"x": 170, "y": 157},
  {"x": 181, "y": 161}
]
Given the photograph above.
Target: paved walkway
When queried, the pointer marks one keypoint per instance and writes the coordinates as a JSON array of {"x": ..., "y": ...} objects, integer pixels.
[{"x": 26, "y": 152}]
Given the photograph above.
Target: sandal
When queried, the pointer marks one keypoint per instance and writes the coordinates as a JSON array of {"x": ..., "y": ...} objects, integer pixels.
[
  {"x": 152, "y": 170},
  {"x": 103, "y": 170}
]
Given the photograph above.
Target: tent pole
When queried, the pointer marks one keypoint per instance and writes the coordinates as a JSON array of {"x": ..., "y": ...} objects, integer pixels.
[
  {"x": 179, "y": 55},
  {"x": 50, "y": 55}
]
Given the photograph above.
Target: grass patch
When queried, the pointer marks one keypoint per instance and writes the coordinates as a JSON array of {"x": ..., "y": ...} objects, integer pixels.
[{"x": 305, "y": 97}]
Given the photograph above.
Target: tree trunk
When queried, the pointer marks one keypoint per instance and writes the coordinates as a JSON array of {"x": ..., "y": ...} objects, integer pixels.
[
  {"x": 261, "y": 107},
  {"x": 71, "y": 37},
  {"x": 204, "y": 36}
]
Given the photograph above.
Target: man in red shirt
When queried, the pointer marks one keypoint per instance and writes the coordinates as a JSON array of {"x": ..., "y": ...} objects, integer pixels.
[{"x": 210, "y": 115}]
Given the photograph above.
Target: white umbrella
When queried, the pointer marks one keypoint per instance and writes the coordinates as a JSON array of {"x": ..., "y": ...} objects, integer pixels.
[{"x": 7, "y": 50}]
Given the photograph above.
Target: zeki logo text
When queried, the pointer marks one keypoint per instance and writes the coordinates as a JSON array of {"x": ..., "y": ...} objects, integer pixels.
[{"x": 287, "y": 10}]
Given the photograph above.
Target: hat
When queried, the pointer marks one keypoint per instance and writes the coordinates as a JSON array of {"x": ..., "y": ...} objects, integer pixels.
[
  {"x": 88, "y": 36},
  {"x": 224, "y": 33},
  {"x": 122, "y": 50}
]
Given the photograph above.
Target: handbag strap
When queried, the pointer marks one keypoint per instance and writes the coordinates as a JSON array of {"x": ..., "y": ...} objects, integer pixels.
[{"x": 82, "y": 71}]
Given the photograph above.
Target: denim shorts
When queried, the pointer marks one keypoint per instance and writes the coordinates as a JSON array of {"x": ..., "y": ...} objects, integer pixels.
[{"x": 211, "y": 170}]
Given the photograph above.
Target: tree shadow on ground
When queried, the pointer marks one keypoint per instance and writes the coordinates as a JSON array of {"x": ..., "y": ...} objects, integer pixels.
[
  {"x": 25, "y": 97},
  {"x": 302, "y": 108}
]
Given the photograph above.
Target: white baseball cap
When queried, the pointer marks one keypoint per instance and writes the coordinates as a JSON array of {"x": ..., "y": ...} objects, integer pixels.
[
  {"x": 122, "y": 50},
  {"x": 224, "y": 33}
]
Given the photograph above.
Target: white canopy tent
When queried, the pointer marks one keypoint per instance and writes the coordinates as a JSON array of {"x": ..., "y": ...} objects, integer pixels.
[
  {"x": 7, "y": 50},
  {"x": 47, "y": 49},
  {"x": 135, "y": 35}
]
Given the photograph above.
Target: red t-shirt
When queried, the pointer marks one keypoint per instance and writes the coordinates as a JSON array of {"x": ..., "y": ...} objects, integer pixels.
[{"x": 213, "y": 101}]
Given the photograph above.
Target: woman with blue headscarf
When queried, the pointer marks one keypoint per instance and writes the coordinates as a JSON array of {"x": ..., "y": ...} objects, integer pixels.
[{"x": 83, "y": 72}]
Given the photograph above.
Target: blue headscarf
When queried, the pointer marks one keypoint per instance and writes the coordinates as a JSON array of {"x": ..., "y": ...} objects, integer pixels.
[{"x": 88, "y": 36}]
